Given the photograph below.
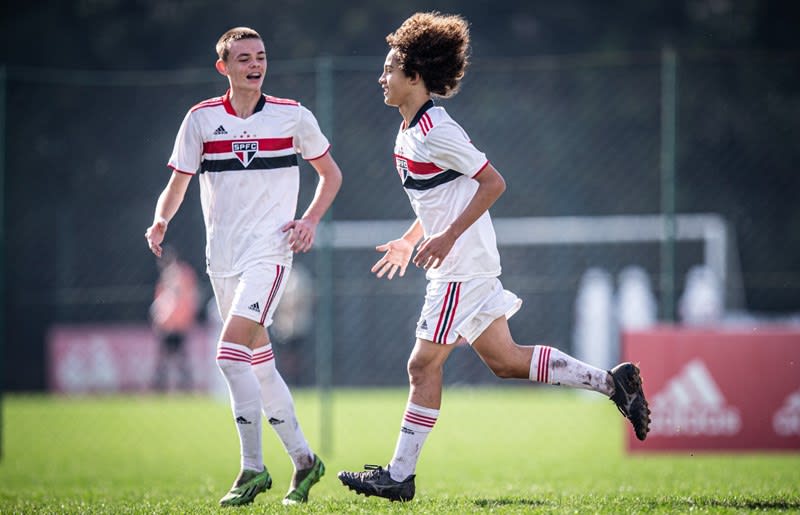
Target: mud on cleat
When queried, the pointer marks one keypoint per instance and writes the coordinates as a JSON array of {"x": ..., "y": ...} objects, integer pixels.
[
  {"x": 244, "y": 490},
  {"x": 302, "y": 481},
  {"x": 629, "y": 397}
]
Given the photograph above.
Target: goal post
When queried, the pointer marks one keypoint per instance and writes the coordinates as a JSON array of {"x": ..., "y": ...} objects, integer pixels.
[{"x": 710, "y": 229}]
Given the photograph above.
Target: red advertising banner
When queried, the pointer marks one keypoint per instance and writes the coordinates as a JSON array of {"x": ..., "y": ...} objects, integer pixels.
[
  {"x": 718, "y": 389},
  {"x": 119, "y": 358}
]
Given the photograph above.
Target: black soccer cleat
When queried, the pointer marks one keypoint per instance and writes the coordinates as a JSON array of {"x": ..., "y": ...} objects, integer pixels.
[
  {"x": 375, "y": 480},
  {"x": 629, "y": 397}
]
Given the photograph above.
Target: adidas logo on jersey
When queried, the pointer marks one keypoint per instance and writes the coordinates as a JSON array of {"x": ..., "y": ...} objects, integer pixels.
[
  {"x": 786, "y": 421},
  {"x": 220, "y": 130},
  {"x": 254, "y": 307},
  {"x": 691, "y": 404}
]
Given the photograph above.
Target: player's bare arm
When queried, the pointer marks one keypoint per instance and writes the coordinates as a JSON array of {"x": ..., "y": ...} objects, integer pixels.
[
  {"x": 436, "y": 247},
  {"x": 397, "y": 253},
  {"x": 168, "y": 203},
  {"x": 304, "y": 229}
]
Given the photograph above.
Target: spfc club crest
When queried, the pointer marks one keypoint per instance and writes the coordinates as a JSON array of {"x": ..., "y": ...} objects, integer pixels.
[
  {"x": 402, "y": 167},
  {"x": 245, "y": 151}
]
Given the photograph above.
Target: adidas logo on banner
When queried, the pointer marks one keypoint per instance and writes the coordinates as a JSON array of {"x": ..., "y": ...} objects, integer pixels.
[
  {"x": 254, "y": 307},
  {"x": 786, "y": 421},
  {"x": 691, "y": 404},
  {"x": 220, "y": 130}
]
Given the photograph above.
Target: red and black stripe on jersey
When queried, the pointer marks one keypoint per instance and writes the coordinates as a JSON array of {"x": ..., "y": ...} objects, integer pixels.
[
  {"x": 211, "y": 164},
  {"x": 408, "y": 169},
  {"x": 411, "y": 171},
  {"x": 258, "y": 163}
]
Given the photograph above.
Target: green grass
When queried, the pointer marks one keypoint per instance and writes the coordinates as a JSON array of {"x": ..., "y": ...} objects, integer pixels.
[{"x": 509, "y": 450}]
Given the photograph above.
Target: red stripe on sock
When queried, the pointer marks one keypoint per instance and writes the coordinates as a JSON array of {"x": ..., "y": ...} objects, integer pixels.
[
  {"x": 233, "y": 354},
  {"x": 419, "y": 422},
  {"x": 263, "y": 357}
]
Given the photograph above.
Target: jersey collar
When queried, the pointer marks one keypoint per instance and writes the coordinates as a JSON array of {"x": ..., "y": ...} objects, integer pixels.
[
  {"x": 427, "y": 105},
  {"x": 226, "y": 101}
]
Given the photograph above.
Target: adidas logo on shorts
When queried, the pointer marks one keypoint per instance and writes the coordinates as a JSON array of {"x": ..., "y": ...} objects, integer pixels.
[
  {"x": 254, "y": 307},
  {"x": 424, "y": 325}
]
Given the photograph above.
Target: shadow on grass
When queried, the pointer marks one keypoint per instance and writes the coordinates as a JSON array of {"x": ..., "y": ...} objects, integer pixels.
[
  {"x": 736, "y": 503},
  {"x": 751, "y": 504},
  {"x": 508, "y": 501}
]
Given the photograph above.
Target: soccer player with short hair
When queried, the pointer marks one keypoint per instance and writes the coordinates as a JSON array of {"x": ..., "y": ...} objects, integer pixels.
[
  {"x": 244, "y": 146},
  {"x": 451, "y": 186}
]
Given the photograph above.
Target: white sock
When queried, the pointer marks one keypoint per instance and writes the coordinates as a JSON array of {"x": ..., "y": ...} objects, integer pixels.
[
  {"x": 550, "y": 365},
  {"x": 278, "y": 406},
  {"x": 234, "y": 362},
  {"x": 417, "y": 423}
]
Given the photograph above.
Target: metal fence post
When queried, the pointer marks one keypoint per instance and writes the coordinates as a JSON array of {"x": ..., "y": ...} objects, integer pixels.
[
  {"x": 324, "y": 268},
  {"x": 667, "y": 159}
]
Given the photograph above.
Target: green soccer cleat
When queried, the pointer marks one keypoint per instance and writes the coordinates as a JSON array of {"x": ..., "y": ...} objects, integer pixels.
[
  {"x": 244, "y": 490},
  {"x": 302, "y": 481}
]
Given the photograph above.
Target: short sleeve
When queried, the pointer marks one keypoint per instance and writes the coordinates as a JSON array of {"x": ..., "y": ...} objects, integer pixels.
[
  {"x": 309, "y": 141},
  {"x": 451, "y": 149},
  {"x": 188, "y": 149}
]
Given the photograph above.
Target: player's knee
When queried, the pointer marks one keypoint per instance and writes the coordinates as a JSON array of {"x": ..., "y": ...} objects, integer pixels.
[{"x": 418, "y": 370}]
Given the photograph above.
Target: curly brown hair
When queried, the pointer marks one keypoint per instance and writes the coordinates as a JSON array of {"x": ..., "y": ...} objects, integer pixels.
[
  {"x": 235, "y": 34},
  {"x": 436, "y": 46}
]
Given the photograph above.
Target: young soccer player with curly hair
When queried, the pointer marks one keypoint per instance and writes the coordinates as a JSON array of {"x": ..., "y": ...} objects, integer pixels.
[{"x": 451, "y": 186}]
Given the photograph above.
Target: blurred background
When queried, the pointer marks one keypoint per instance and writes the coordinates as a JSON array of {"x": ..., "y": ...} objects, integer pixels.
[{"x": 650, "y": 151}]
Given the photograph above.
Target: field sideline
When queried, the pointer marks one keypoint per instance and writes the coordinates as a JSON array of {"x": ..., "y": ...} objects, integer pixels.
[{"x": 504, "y": 450}]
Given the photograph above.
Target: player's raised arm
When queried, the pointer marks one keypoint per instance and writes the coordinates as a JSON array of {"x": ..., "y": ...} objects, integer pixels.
[
  {"x": 397, "y": 253},
  {"x": 168, "y": 203},
  {"x": 432, "y": 252}
]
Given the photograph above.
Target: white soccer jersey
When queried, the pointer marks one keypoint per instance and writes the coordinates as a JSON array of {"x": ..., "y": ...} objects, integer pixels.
[
  {"x": 249, "y": 178},
  {"x": 437, "y": 162}
]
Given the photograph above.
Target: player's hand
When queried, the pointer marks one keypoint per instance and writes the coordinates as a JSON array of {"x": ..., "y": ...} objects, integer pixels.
[
  {"x": 155, "y": 235},
  {"x": 433, "y": 250},
  {"x": 301, "y": 237},
  {"x": 397, "y": 254}
]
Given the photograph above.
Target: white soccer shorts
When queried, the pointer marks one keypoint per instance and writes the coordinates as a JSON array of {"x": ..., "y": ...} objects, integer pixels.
[
  {"x": 463, "y": 309},
  {"x": 253, "y": 294}
]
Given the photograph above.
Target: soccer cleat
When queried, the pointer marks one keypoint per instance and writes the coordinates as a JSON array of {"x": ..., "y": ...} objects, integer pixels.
[
  {"x": 302, "y": 481},
  {"x": 629, "y": 397},
  {"x": 249, "y": 484},
  {"x": 375, "y": 480}
]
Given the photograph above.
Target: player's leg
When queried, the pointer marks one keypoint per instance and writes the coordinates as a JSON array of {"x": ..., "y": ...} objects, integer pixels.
[
  {"x": 181, "y": 356},
  {"x": 279, "y": 410},
  {"x": 396, "y": 482},
  {"x": 265, "y": 290},
  {"x": 234, "y": 357},
  {"x": 540, "y": 363},
  {"x": 162, "y": 362}
]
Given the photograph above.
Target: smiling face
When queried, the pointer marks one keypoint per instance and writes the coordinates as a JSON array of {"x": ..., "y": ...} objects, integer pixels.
[
  {"x": 245, "y": 65},
  {"x": 397, "y": 86}
]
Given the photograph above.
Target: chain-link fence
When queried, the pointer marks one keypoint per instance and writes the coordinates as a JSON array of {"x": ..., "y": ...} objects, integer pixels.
[{"x": 576, "y": 136}]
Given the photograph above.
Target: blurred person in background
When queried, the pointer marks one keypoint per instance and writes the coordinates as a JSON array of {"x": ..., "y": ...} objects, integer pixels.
[
  {"x": 173, "y": 314},
  {"x": 451, "y": 186},
  {"x": 244, "y": 146}
]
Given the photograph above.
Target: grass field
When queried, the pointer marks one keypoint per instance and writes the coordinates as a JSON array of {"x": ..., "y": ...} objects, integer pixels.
[{"x": 510, "y": 450}]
